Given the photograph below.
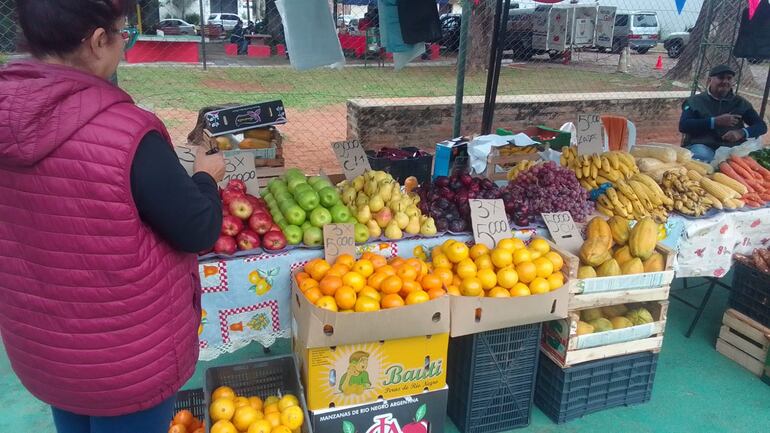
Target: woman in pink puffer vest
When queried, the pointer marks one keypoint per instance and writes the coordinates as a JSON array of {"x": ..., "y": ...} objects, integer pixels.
[{"x": 99, "y": 225}]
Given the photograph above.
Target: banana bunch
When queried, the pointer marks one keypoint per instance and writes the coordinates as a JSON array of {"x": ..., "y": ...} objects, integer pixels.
[
  {"x": 595, "y": 170},
  {"x": 689, "y": 197},
  {"x": 517, "y": 150},
  {"x": 521, "y": 166},
  {"x": 635, "y": 198}
]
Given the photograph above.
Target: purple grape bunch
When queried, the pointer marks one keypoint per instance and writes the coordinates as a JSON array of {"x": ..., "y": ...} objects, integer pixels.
[
  {"x": 446, "y": 199},
  {"x": 545, "y": 187}
]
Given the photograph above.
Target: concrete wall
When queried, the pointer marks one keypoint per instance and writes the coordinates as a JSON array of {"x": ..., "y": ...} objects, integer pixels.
[{"x": 422, "y": 122}]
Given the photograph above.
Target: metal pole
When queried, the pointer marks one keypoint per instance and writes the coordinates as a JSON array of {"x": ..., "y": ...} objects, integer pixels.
[
  {"x": 765, "y": 95},
  {"x": 248, "y": 11},
  {"x": 704, "y": 37},
  {"x": 139, "y": 18},
  {"x": 203, "y": 34},
  {"x": 486, "y": 118},
  {"x": 461, "y": 56},
  {"x": 499, "y": 44}
]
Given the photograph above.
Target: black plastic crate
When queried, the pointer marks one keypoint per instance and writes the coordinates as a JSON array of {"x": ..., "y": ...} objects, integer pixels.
[
  {"x": 265, "y": 377},
  {"x": 750, "y": 293},
  {"x": 192, "y": 400},
  {"x": 570, "y": 393},
  {"x": 491, "y": 378},
  {"x": 420, "y": 167}
]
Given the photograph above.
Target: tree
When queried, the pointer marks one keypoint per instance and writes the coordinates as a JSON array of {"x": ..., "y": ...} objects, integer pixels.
[
  {"x": 180, "y": 7},
  {"x": 480, "y": 34},
  {"x": 716, "y": 35}
]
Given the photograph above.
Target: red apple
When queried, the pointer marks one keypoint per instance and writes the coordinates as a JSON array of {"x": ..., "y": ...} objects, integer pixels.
[
  {"x": 231, "y": 225},
  {"x": 260, "y": 221},
  {"x": 228, "y": 195},
  {"x": 225, "y": 211},
  {"x": 241, "y": 208},
  {"x": 237, "y": 184},
  {"x": 225, "y": 245},
  {"x": 275, "y": 228},
  {"x": 247, "y": 240},
  {"x": 273, "y": 240},
  {"x": 254, "y": 201}
]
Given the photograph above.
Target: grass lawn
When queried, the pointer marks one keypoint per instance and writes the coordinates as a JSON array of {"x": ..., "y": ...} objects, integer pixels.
[{"x": 191, "y": 88}]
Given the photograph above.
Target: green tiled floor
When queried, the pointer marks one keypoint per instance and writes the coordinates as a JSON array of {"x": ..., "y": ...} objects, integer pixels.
[{"x": 696, "y": 389}]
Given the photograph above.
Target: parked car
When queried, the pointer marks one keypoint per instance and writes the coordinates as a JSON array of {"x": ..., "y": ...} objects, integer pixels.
[
  {"x": 174, "y": 26},
  {"x": 639, "y": 30},
  {"x": 450, "y": 31},
  {"x": 675, "y": 42},
  {"x": 227, "y": 21}
]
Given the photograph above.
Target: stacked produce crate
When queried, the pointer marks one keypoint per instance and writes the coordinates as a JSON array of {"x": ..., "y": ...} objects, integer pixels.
[{"x": 614, "y": 329}]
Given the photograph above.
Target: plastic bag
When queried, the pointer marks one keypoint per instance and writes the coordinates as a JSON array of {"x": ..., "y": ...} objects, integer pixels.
[{"x": 744, "y": 149}]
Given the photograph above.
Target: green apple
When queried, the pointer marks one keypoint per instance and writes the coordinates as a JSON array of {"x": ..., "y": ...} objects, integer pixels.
[
  {"x": 313, "y": 236},
  {"x": 306, "y": 225},
  {"x": 294, "y": 182},
  {"x": 329, "y": 197},
  {"x": 293, "y": 172},
  {"x": 276, "y": 185},
  {"x": 295, "y": 215},
  {"x": 303, "y": 187},
  {"x": 340, "y": 213},
  {"x": 278, "y": 218},
  {"x": 313, "y": 179},
  {"x": 270, "y": 199},
  {"x": 360, "y": 233},
  {"x": 352, "y": 219},
  {"x": 321, "y": 184},
  {"x": 320, "y": 217},
  {"x": 283, "y": 196},
  {"x": 308, "y": 200},
  {"x": 293, "y": 234},
  {"x": 286, "y": 204},
  {"x": 282, "y": 224},
  {"x": 264, "y": 193}
]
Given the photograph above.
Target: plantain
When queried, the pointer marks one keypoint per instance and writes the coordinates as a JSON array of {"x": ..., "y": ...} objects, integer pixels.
[
  {"x": 603, "y": 210},
  {"x": 614, "y": 160}
]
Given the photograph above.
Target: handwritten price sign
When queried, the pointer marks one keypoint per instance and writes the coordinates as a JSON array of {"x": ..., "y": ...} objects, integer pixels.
[
  {"x": 589, "y": 134},
  {"x": 339, "y": 239},
  {"x": 489, "y": 221},
  {"x": 186, "y": 157},
  {"x": 563, "y": 230},
  {"x": 240, "y": 165},
  {"x": 352, "y": 158}
]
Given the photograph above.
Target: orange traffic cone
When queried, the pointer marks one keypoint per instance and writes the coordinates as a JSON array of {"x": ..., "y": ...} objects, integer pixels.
[{"x": 659, "y": 64}]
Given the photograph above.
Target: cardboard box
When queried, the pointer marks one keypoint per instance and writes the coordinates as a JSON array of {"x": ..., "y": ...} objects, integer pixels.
[
  {"x": 420, "y": 413},
  {"x": 471, "y": 315},
  {"x": 451, "y": 157},
  {"x": 364, "y": 372},
  {"x": 245, "y": 117},
  {"x": 562, "y": 344},
  {"x": 317, "y": 327}
]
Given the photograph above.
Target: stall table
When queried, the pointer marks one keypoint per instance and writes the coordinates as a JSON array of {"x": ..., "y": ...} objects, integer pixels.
[
  {"x": 150, "y": 49},
  {"x": 353, "y": 42}
]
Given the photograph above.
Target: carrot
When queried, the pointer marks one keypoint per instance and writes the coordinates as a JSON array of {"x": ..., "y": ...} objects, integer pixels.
[
  {"x": 754, "y": 165},
  {"x": 738, "y": 160},
  {"x": 753, "y": 196},
  {"x": 765, "y": 196},
  {"x": 754, "y": 204},
  {"x": 748, "y": 177},
  {"x": 745, "y": 172},
  {"x": 727, "y": 170}
]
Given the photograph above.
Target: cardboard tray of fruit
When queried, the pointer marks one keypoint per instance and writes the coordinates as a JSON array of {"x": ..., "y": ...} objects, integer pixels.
[{"x": 598, "y": 333}]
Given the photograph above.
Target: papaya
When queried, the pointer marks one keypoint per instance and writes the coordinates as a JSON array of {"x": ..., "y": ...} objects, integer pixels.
[
  {"x": 601, "y": 325},
  {"x": 595, "y": 251},
  {"x": 584, "y": 328},
  {"x": 265, "y": 134},
  {"x": 633, "y": 266},
  {"x": 639, "y": 316},
  {"x": 620, "y": 322},
  {"x": 643, "y": 238},
  {"x": 655, "y": 263},
  {"x": 622, "y": 255},
  {"x": 610, "y": 268},
  {"x": 586, "y": 272},
  {"x": 614, "y": 310},
  {"x": 619, "y": 228},
  {"x": 590, "y": 314},
  {"x": 597, "y": 227}
]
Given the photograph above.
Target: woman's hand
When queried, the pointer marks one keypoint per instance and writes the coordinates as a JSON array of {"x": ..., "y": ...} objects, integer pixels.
[{"x": 214, "y": 164}]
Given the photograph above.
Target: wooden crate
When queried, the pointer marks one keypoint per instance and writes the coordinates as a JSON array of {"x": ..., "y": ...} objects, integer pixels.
[
  {"x": 746, "y": 342},
  {"x": 622, "y": 289},
  {"x": 507, "y": 162},
  {"x": 561, "y": 343}
]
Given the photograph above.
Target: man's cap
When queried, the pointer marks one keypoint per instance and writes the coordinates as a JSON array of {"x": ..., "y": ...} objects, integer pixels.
[{"x": 721, "y": 69}]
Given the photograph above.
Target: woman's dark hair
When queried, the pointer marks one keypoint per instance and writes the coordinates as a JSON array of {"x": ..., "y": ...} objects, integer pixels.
[{"x": 57, "y": 27}]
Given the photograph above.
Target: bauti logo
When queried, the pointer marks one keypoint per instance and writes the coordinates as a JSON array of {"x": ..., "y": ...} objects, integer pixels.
[
  {"x": 386, "y": 423},
  {"x": 395, "y": 374}
]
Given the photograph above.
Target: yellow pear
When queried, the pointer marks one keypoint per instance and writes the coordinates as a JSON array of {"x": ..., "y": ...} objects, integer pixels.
[
  {"x": 392, "y": 231},
  {"x": 402, "y": 220},
  {"x": 428, "y": 227},
  {"x": 364, "y": 214},
  {"x": 412, "y": 210},
  {"x": 358, "y": 183},
  {"x": 376, "y": 203},
  {"x": 348, "y": 195},
  {"x": 374, "y": 229},
  {"x": 413, "y": 227},
  {"x": 361, "y": 199},
  {"x": 371, "y": 188},
  {"x": 386, "y": 190}
]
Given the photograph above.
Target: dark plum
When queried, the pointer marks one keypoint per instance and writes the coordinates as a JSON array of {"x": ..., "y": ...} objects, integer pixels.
[
  {"x": 441, "y": 181},
  {"x": 466, "y": 179},
  {"x": 488, "y": 184},
  {"x": 456, "y": 185},
  {"x": 442, "y": 224},
  {"x": 457, "y": 226},
  {"x": 442, "y": 203}
]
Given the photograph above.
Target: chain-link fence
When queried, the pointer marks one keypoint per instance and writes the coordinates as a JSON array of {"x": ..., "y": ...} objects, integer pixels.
[{"x": 558, "y": 60}]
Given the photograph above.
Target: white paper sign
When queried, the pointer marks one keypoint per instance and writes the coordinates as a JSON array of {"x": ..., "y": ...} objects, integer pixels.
[
  {"x": 352, "y": 158},
  {"x": 240, "y": 165},
  {"x": 186, "y": 157},
  {"x": 489, "y": 221},
  {"x": 339, "y": 239},
  {"x": 589, "y": 134},
  {"x": 564, "y": 231}
]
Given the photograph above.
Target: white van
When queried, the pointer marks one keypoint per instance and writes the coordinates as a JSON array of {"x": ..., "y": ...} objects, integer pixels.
[{"x": 639, "y": 30}]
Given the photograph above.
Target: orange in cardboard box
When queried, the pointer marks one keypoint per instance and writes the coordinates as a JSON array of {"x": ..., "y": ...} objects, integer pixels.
[{"x": 363, "y": 372}]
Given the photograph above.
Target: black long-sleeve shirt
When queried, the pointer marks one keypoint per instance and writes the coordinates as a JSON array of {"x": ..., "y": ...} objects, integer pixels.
[
  {"x": 699, "y": 113},
  {"x": 185, "y": 211}
]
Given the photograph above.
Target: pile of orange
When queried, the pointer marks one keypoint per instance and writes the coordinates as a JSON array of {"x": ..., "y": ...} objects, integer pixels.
[
  {"x": 510, "y": 269},
  {"x": 231, "y": 413},
  {"x": 371, "y": 283},
  {"x": 185, "y": 422}
]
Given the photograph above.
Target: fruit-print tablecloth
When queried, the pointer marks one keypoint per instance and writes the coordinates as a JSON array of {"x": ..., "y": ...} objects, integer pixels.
[
  {"x": 247, "y": 299},
  {"x": 705, "y": 246}
]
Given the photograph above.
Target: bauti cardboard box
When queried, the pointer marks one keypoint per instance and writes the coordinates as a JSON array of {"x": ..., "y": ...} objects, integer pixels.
[
  {"x": 364, "y": 372},
  {"x": 419, "y": 413},
  {"x": 451, "y": 157}
]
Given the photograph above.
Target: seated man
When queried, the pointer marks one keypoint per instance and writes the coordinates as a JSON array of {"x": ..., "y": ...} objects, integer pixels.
[{"x": 718, "y": 117}]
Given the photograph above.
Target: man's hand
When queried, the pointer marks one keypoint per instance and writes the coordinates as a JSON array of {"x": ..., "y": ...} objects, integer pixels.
[
  {"x": 727, "y": 120},
  {"x": 214, "y": 164},
  {"x": 733, "y": 136}
]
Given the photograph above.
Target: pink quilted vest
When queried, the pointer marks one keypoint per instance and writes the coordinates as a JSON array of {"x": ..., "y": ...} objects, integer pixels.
[{"x": 98, "y": 314}]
